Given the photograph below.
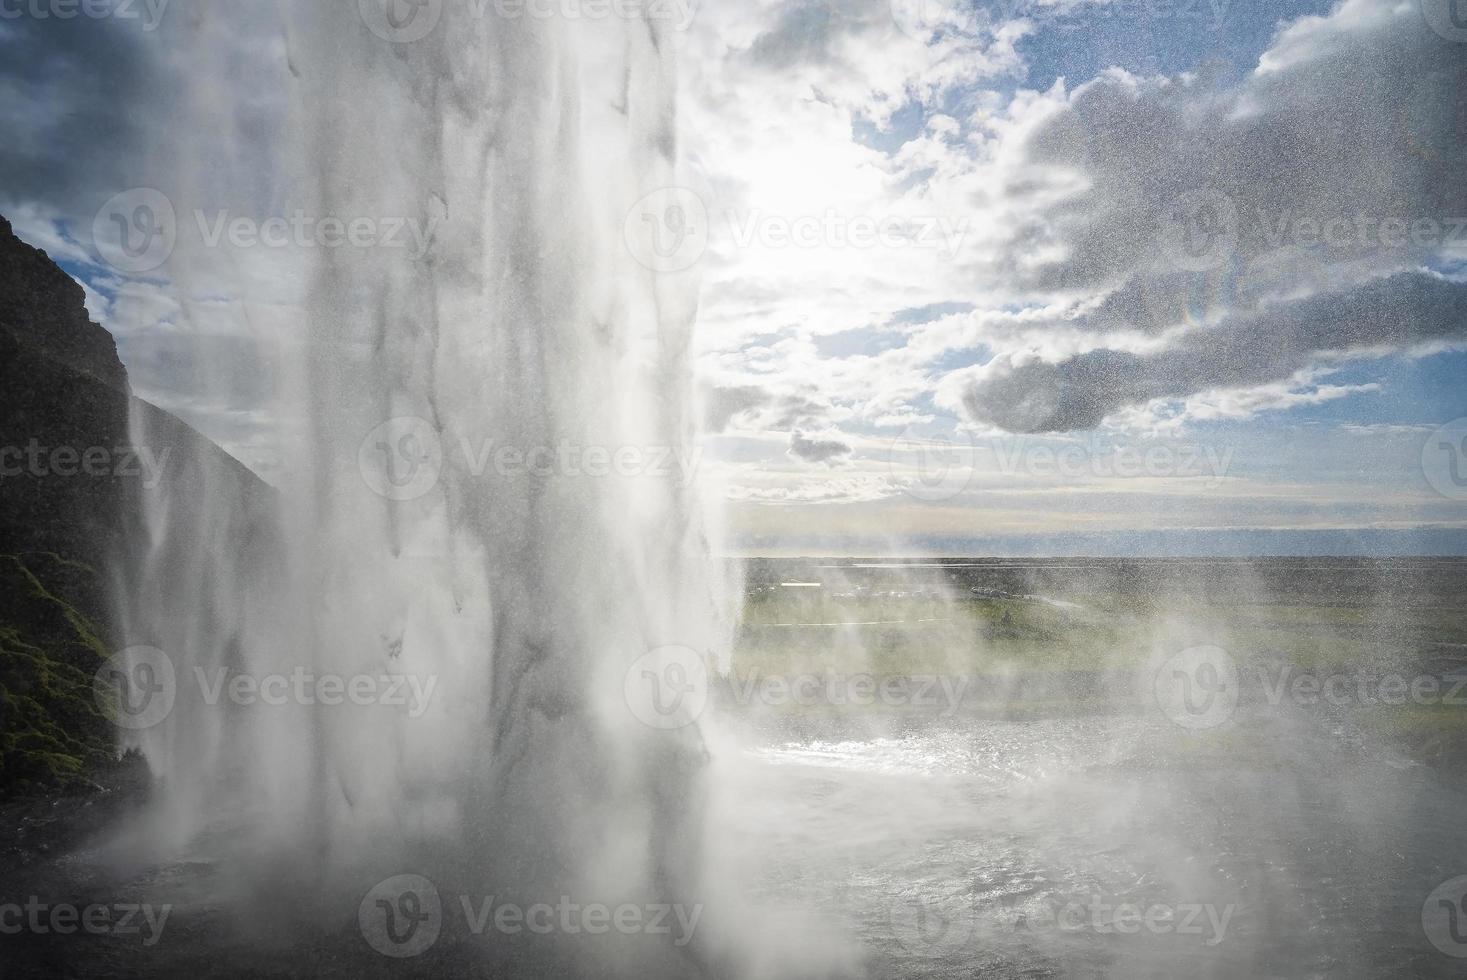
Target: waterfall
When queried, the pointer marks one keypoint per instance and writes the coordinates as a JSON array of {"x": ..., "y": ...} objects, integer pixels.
[{"x": 437, "y": 519}]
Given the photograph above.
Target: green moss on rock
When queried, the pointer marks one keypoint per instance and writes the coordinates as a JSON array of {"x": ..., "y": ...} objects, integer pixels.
[{"x": 52, "y": 730}]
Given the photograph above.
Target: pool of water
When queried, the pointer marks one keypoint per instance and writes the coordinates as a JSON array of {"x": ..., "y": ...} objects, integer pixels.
[
  {"x": 1284, "y": 845},
  {"x": 1102, "y": 847}
]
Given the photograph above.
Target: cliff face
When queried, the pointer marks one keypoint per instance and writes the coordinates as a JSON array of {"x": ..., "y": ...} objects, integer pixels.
[
  {"x": 42, "y": 309},
  {"x": 63, "y": 414},
  {"x": 72, "y": 489}
]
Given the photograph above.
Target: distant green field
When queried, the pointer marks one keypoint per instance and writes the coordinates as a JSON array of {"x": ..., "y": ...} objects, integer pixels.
[
  {"x": 1024, "y": 657},
  {"x": 979, "y": 634}
]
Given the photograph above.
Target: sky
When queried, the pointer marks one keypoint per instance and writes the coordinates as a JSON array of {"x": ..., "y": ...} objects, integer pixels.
[{"x": 1011, "y": 277}]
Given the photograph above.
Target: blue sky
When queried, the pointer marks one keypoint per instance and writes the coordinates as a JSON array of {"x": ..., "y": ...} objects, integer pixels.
[{"x": 945, "y": 245}]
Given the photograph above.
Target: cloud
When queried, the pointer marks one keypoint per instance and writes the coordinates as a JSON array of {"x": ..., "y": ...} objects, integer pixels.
[
  {"x": 1253, "y": 231},
  {"x": 721, "y": 405},
  {"x": 846, "y": 490},
  {"x": 1070, "y": 198},
  {"x": 803, "y": 33},
  {"x": 1348, "y": 116},
  {"x": 80, "y": 102},
  {"x": 817, "y": 450},
  {"x": 1081, "y": 391},
  {"x": 1064, "y": 305}
]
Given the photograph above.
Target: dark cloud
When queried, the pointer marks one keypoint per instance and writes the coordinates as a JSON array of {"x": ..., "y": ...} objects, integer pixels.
[
  {"x": 720, "y": 405},
  {"x": 1345, "y": 126},
  {"x": 1252, "y": 349},
  {"x": 1353, "y": 115},
  {"x": 813, "y": 32},
  {"x": 795, "y": 411},
  {"x": 816, "y": 450},
  {"x": 760, "y": 407},
  {"x": 92, "y": 106},
  {"x": 802, "y": 35},
  {"x": 77, "y": 104}
]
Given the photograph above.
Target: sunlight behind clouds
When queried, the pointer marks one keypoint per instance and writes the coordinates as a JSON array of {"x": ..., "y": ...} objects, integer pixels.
[{"x": 904, "y": 229}]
